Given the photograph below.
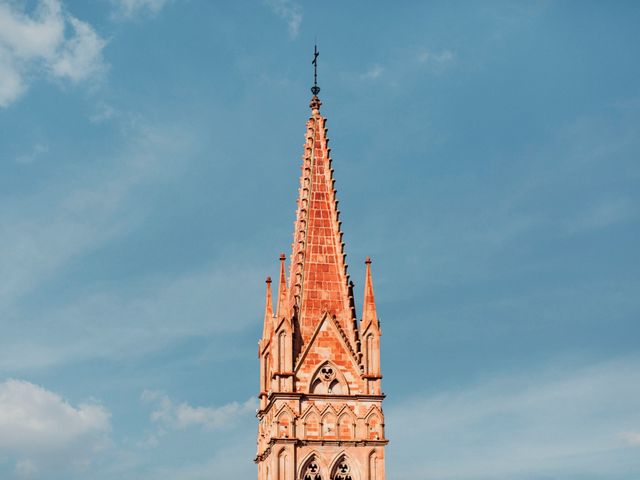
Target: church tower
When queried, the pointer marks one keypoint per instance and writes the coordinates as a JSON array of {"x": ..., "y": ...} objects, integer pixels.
[{"x": 320, "y": 414}]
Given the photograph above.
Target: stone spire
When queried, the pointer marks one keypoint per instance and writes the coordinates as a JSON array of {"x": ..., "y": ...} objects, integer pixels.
[
  {"x": 370, "y": 334},
  {"x": 318, "y": 280},
  {"x": 320, "y": 413},
  {"x": 282, "y": 290},
  {"x": 268, "y": 313},
  {"x": 369, "y": 313}
]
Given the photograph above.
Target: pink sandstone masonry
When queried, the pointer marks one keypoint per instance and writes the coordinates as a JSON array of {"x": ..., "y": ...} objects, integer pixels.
[{"x": 320, "y": 415}]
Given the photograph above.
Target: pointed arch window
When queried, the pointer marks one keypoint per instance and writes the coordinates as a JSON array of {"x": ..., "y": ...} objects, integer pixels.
[
  {"x": 373, "y": 465},
  {"x": 346, "y": 426},
  {"x": 370, "y": 349},
  {"x": 374, "y": 427},
  {"x": 283, "y": 465},
  {"x": 343, "y": 471},
  {"x": 285, "y": 425},
  {"x": 328, "y": 380},
  {"x": 282, "y": 345},
  {"x": 329, "y": 427},
  {"x": 312, "y": 425},
  {"x": 312, "y": 472},
  {"x": 267, "y": 372}
]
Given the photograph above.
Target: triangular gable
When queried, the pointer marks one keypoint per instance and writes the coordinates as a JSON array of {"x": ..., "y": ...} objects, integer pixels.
[
  {"x": 372, "y": 410},
  {"x": 313, "y": 408},
  {"x": 285, "y": 407},
  {"x": 329, "y": 322},
  {"x": 328, "y": 408},
  {"x": 370, "y": 326},
  {"x": 278, "y": 323},
  {"x": 348, "y": 410}
]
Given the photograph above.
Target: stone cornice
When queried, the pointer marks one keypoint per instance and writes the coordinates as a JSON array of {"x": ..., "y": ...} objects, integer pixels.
[{"x": 320, "y": 442}]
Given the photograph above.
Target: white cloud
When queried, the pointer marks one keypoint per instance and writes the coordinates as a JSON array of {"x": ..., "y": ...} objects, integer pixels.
[
  {"x": 37, "y": 35},
  {"x": 39, "y": 43},
  {"x": 130, "y": 324},
  {"x": 632, "y": 103},
  {"x": 373, "y": 73},
  {"x": 103, "y": 113},
  {"x": 27, "y": 158},
  {"x": 128, "y": 9},
  {"x": 38, "y": 427},
  {"x": 11, "y": 83},
  {"x": 289, "y": 11},
  {"x": 632, "y": 438},
  {"x": 27, "y": 468},
  {"x": 438, "y": 57},
  {"x": 435, "y": 61},
  {"x": 80, "y": 56},
  {"x": 603, "y": 214},
  {"x": 45, "y": 232},
  {"x": 229, "y": 461},
  {"x": 183, "y": 415},
  {"x": 560, "y": 422}
]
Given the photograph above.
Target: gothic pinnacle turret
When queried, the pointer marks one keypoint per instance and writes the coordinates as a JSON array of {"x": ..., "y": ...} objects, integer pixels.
[
  {"x": 369, "y": 313},
  {"x": 268, "y": 312},
  {"x": 282, "y": 289}
]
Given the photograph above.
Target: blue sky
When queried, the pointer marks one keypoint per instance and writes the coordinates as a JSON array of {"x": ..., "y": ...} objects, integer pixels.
[{"x": 487, "y": 159}]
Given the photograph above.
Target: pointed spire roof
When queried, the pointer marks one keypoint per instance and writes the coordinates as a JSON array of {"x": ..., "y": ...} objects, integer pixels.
[
  {"x": 282, "y": 290},
  {"x": 369, "y": 313},
  {"x": 268, "y": 312},
  {"x": 318, "y": 280}
]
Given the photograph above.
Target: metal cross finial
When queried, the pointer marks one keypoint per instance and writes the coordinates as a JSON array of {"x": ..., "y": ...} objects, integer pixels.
[{"x": 315, "y": 89}]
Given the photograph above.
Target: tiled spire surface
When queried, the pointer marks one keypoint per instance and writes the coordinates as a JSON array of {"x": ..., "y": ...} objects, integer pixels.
[{"x": 318, "y": 280}]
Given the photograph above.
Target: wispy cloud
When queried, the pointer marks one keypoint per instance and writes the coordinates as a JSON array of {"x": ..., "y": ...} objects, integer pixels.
[
  {"x": 549, "y": 196},
  {"x": 46, "y": 230},
  {"x": 183, "y": 415},
  {"x": 80, "y": 56},
  {"x": 30, "y": 157},
  {"x": 436, "y": 59},
  {"x": 290, "y": 12},
  {"x": 103, "y": 113},
  {"x": 120, "y": 324},
  {"x": 373, "y": 73},
  {"x": 39, "y": 43},
  {"x": 631, "y": 103},
  {"x": 26, "y": 468},
  {"x": 632, "y": 438},
  {"x": 39, "y": 429},
  {"x": 558, "y": 422},
  {"x": 229, "y": 461},
  {"x": 603, "y": 214},
  {"x": 130, "y": 9}
]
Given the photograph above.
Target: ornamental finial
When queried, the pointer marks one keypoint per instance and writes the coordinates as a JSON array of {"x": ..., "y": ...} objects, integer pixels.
[{"x": 315, "y": 89}]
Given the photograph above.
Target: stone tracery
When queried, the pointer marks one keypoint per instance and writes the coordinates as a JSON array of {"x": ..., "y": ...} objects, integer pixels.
[{"x": 312, "y": 472}]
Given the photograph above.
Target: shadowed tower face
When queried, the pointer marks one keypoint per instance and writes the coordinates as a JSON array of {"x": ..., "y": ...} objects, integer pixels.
[{"x": 320, "y": 415}]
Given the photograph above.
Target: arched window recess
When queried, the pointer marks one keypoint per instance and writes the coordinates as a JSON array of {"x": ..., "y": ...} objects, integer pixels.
[
  {"x": 343, "y": 471},
  {"x": 312, "y": 471},
  {"x": 328, "y": 380}
]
